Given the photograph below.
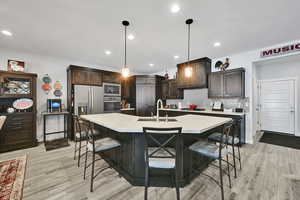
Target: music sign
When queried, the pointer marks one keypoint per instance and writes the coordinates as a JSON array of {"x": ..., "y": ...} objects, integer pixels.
[{"x": 280, "y": 50}]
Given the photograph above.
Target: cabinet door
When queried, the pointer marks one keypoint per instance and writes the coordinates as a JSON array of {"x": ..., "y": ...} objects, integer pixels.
[
  {"x": 86, "y": 77},
  {"x": 95, "y": 78},
  {"x": 111, "y": 77},
  {"x": 233, "y": 83},
  {"x": 183, "y": 81},
  {"x": 199, "y": 77},
  {"x": 200, "y": 68},
  {"x": 215, "y": 85},
  {"x": 16, "y": 86},
  {"x": 165, "y": 89},
  {"x": 174, "y": 91}
]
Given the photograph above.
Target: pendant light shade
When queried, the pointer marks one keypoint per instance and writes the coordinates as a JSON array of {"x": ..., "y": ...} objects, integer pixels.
[
  {"x": 125, "y": 70},
  {"x": 188, "y": 69}
]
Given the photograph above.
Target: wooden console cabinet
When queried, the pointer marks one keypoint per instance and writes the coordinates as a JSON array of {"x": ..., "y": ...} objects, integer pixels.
[{"x": 19, "y": 130}]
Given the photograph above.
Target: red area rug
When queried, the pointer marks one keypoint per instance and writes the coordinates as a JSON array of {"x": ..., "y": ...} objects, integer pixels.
[{"x": 12, "y": 175}]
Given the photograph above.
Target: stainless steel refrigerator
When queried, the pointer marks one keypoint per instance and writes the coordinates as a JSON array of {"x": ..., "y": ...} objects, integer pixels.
[{"x": 88, "y": 99}]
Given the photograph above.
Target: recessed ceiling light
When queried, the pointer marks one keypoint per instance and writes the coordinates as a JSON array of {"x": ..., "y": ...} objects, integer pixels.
[
  {"x": 6, "y": 32},
  {"x": 217, "y": 44},
  {"x": 151, "y": 64},
  {"x": 131, "y": 37},
  {"x": 175, "y": 8},
  {"x": 107, "y": 52},
  {"x": 176, "y": 57}
]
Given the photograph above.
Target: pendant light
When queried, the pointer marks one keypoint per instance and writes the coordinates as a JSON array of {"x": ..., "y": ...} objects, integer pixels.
[
  {"x": 188, "y": 69},
  {"x": 125, "y": 69}
]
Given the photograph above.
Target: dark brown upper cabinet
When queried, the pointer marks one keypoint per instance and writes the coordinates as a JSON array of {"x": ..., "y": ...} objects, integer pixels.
[
  {"x": 170, "y": 90},
  {"x": 228, "y": 84},
  {"x": 199, "y": 79},
  {"x": 128, "y": 89},
  {"x": 111, "y": 77},
  {"x": 215, "y": 85},
  {"x": 85, "y": 76}
]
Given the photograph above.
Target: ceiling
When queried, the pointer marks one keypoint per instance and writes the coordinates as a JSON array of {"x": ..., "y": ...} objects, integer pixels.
[{"x": 84, "y": 30}]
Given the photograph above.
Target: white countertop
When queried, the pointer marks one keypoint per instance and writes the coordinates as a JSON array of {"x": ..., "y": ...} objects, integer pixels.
[
  {"x": 127, "y": 109},
  {"x": 130, "y": 124},
  {"x": 205, "y": 111},
  {"x": 2, "y": 120}
]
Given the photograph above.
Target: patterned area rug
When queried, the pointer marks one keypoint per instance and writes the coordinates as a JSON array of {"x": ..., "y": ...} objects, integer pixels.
[{"x": 12, "y": 175}]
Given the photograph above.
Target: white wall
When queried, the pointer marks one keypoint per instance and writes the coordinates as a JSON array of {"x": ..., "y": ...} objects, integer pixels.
[
  {"x": 57, "y": 70},
  {"x": 287, "y": 67},
  {"x": 246, "y": 60}
]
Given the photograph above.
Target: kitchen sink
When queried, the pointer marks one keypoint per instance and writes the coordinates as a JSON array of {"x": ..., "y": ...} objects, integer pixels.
[{"x": 154, "y": 120}]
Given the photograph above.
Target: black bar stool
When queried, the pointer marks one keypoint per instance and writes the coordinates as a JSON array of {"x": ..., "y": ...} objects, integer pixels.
[
  {"x": 97, "y": 146},
  {"x": 80, "y": 135},
  {"x": 234, "y": 141},
  {"x": 159, "y": 155},
  {"x": 215, "y": 152}
]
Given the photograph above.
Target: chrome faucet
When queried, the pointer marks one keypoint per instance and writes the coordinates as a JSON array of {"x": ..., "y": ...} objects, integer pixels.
[{"x": 159, "y": 105}]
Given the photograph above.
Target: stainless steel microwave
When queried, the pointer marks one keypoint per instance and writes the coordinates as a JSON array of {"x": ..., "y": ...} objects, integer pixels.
[{"x": 111, "y": 89}]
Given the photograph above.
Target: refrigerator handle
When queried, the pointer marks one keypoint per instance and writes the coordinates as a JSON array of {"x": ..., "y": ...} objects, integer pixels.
[
  {"x": 92, "y": 97},
  {"x": 89, "y": 100}
]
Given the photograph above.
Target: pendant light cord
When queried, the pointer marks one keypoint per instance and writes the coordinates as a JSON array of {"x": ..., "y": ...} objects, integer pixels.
[
  {"x": 189, "y": 39},
  {"x": 125, "y": 61}
]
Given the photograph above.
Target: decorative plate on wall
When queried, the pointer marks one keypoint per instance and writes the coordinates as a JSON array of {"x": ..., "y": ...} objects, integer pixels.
[{"x": 22, "y": 104}]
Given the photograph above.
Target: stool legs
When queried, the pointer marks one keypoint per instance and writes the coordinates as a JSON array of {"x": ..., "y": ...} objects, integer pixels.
[
  {"x": 240, "y": 159},
  {"x": 85, "y": 163},
  {"x": 234, "y": 161},
  {"x": 75, "y": 149},
  {"x": 228, "y": 171},
  {"x": 92, "y": 175},
  {"x": 79, "y": 153},
  {"x": 146, "y": 183},
  {"x": 221, "y": 179},
  {"x": 177, "y": 186}
]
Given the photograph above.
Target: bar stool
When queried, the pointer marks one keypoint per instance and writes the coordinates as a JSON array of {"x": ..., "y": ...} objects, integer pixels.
[
  {"x": 97, "y": 146},
  {"x": 215, "y": 152},
  {"x": 234, "y": 141},
  {"x": 80, "y": 135},
  {"x": 158, "y": 154}
]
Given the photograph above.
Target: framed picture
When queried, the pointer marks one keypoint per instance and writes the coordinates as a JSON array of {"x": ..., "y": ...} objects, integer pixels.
[{"x": 15, "y": 66}]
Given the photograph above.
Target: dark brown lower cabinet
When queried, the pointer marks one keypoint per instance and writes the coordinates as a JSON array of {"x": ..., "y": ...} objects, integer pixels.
[{"x": 18, "y": 132}]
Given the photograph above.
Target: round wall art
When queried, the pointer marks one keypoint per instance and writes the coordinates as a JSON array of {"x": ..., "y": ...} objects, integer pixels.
[
  {"x": 22, "y": 104},
  {"x": 46, "y": 86}
]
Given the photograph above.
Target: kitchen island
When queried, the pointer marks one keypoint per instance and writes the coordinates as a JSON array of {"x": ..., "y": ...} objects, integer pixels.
[
  {"x": 238, "y": 117},
  {"x": 128, "y": 130}
]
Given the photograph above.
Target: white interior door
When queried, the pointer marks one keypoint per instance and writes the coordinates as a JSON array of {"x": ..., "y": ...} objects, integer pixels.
[{"x": 277, "y": 106}]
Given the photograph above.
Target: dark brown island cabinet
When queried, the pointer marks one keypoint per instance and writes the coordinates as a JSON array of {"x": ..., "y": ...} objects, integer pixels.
[
  {"x": 199, "y": 78},
  {"x": 19, "y": 130},
  {"x": 227, "y": 84}
]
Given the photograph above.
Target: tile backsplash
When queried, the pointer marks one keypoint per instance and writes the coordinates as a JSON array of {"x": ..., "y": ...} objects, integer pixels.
[{"x": 200, "y": 98}]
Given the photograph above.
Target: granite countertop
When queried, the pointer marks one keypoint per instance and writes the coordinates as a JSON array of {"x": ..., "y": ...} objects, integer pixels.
[
  {"x": 127, "y": 109},
  {"x": 205, "y": 111},
  {"x": 123, "y": 123},
  {"x": 2, "y": 121}
]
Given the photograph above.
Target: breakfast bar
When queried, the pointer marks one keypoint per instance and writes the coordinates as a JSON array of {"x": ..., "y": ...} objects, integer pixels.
[{"x": 128, "y": 130}]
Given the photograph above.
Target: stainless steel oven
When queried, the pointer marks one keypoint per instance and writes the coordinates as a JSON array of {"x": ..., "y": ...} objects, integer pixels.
[
  {"x": 112, "y": 104},
  {"x": 111, "y": 89}
]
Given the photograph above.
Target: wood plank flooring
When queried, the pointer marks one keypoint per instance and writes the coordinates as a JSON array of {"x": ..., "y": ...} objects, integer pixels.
[{"x": 269, "y": 173}]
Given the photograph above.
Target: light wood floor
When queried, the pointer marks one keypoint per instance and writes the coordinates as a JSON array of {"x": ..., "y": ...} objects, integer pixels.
[{"x": 269, "y": 173}]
